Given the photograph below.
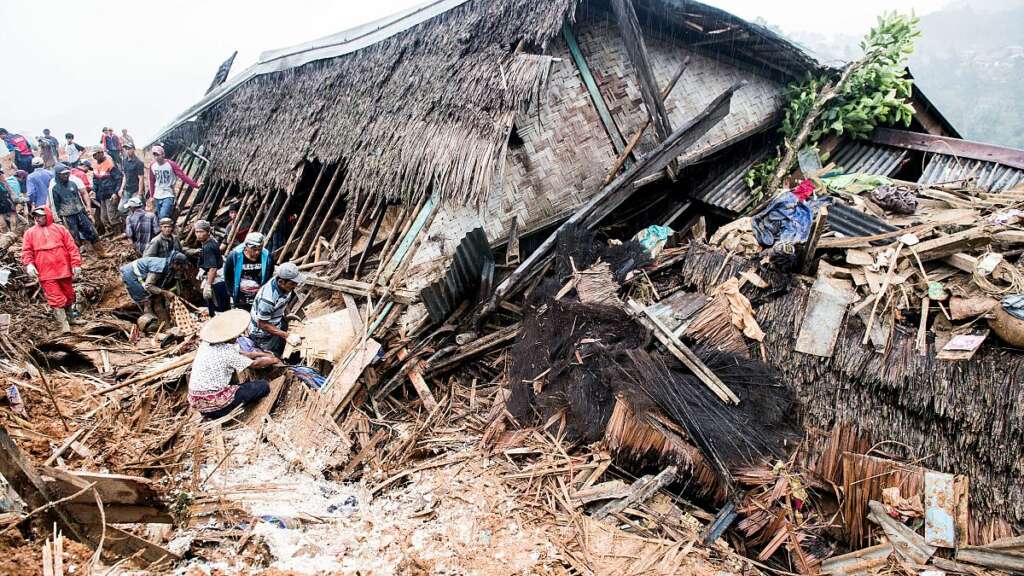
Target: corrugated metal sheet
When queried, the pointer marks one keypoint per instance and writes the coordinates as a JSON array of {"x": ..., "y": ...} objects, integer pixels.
[
  {"x": 868, "y": 158},
  {"x": 728, "y": 191},
  {"x": 472, "y": 267},
  {"x": 851, "y": 222},
  {"x": 989, "y": 176}
]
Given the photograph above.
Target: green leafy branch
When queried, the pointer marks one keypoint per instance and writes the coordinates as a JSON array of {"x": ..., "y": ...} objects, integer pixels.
[{"x": 873, "y": 90}]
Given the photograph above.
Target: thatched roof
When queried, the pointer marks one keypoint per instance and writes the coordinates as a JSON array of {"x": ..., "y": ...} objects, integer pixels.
[
  {"x": 428, "y": 106},
  {"x": 423, "y": 99},
  {"x": 956, "y": 417}
]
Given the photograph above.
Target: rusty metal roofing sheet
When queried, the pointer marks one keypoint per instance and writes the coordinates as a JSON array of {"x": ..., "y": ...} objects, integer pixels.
[
  {"x": 868, "y": 158},
  {"x": 989, "y": 176},
  {"x": 727, "y": 190}
]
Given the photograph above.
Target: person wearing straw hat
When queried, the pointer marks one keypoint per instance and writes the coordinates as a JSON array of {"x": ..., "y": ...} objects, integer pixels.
[
  {"x": 268, "y": 327},
  {"x": 213, "y": 388}
]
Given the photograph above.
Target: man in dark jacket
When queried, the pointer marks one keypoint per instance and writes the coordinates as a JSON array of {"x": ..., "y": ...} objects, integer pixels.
[
  {"x": 21, "y": 148},
  {"x": 247, "y": 267},
  {"x": 69, "y": 203}
]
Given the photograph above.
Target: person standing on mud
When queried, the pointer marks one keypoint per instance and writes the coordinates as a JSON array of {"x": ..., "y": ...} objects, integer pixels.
[
  {"x": 140, "y": 226},
  {"x": 247, "y": 267},
  {"x": 211, "y": 264},
  {"x": 106, "y": 182},
  {"x": 50, "y": 256},
  {"x": 49, "y": 148},
  {"x": 21, "y": 148},
  {"x": 38, "y": 185},
  {"x": 164, "y": 243},
  {"x": 134, "y": 174},
  {"x": 163, "y": 175},
  {"x": 70, "y": 202}
]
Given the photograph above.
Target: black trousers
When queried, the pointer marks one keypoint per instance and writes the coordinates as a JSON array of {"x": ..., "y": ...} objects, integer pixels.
[{"x": 247, "y": 393}]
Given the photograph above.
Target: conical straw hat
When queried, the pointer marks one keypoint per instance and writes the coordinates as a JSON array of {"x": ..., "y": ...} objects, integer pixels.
[{"x": 225, "y": 326}]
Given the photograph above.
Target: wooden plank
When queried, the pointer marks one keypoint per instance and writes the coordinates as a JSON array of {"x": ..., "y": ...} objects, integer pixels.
[
  {"x": 683, "y": 353},
  {"x": 823, "y": 318},
  {"x": 478, "y": 346},
  {"x": 416, "y": 377},
  {"x": 408, "y": 240},
  {"x": 951, "y": 244},
  {"x": 358, "y": 288},
  {"x": 640, "y": 491},
  {"x": 595, "y": 93},
  {"x": 344, "y": 385},
  {"x": 124, "y": 544},
  {"x": 112, "y": 488},
  {"x": 118, "y": 513},
  {"x": 949, "y": 146}
]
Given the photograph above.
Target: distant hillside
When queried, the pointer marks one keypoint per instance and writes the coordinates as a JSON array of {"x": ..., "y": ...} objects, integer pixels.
[{"x": 969, "y": 60}]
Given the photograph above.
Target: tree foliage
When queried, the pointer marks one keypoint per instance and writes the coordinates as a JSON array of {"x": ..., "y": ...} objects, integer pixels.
[{"x": 876, "y": 91}]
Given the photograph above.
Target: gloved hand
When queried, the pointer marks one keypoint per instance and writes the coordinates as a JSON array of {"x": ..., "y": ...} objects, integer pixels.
[
  {"x": 207, "y": 291},
  {"x": 31, "y": 269},
  {"x": 76, "y": 272},
  {"x": 294, "y": 339}
]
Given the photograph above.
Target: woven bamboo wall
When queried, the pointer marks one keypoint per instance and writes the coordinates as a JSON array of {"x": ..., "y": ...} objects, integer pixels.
[{"x": 565, "y": 151}]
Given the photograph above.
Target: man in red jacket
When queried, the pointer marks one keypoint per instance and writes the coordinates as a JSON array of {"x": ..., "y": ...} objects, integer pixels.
[{"x": 50, "y": 255}]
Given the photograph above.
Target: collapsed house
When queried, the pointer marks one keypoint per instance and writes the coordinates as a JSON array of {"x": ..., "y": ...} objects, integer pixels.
[{"x": 452, "y": 175}]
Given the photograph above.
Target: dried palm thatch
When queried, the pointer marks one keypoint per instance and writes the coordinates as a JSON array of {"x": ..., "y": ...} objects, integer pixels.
[
  {"x": 955, "y": 417},
  {"x": 430, "y": 107}
]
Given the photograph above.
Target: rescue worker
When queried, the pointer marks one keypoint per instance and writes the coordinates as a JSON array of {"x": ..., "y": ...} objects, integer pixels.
[
  {"x": 211, "y": 264},
  {"x": 247, "y": 267},
  {"x": 147, "y": 277},
  {"x": 268, "y": 326},
  {"x": 50, "y": 256},
  {"x": 214, "y": 389}
]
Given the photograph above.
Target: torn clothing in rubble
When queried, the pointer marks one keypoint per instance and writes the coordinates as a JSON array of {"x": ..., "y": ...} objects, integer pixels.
[
  {"x": 212, "y": 388},
  {"x": 786, "y": 220},
  {"x": 269, "y": 306}
]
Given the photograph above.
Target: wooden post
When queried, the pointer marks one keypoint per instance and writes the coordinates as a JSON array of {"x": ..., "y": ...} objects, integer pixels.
[
  {"x": 637, "y": 51},
  {"x": 381, "y": 210},
  {"x": 317, "y": 214},
  {"x": 595, "y": 93},
  {"x": 283, "y": 210},
  {"x": 302, "y": 215}
]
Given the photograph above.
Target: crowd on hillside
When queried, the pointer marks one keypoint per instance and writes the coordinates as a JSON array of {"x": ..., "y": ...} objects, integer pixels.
[{"x": 75, "y": 194}]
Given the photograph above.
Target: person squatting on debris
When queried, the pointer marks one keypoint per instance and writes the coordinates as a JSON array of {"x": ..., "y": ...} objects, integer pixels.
[
  {"x": 211, "y": 264},
  {"x": 106, "y": 182},
  {"x": 247, "y": 267},
  {"x": 134, "y": 174},
  {"x": 163, "y": 175},
  {"x": 213, "y": 388},
  {"x": 147, "y": 277},
  {"x": 165, "y": 242},
  {"x": 22, "y": 150},
  {"x": 268, "y": 327},
  {"x": 140, "y": 226},
  {"x": 71, "y": 202},
  {"x": 51, "y": 256}
]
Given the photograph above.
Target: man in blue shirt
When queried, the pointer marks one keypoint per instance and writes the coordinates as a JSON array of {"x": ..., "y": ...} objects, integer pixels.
[
  {"x": 268, "y": 327},
  {"x": 38, "y": 183}
]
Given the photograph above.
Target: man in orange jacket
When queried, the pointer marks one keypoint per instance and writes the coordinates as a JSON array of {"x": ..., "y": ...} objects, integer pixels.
[{"x": 50, "y": 255}]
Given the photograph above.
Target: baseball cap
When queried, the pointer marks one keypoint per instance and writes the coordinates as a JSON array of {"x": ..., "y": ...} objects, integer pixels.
[
  {"x": 37, "y": 161},
  {"x": 254, "y": 239},
  {"x": 39, "y": 211},
  {"x": 133, "y": 202},
  {"x": 289, "y": 271},
  {"x": 166, "y": 221}
]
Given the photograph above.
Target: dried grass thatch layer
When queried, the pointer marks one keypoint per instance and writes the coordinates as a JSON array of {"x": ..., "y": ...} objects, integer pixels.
[
  {"x": 958, "y": 417},
  {"x": 429, "y": 107}
]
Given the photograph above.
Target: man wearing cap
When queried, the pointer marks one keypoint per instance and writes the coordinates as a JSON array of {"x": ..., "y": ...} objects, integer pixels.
[
  {"x": 268, "y": 327},
  {"x": 50, "y": 256},
  {"x": 163, "y": 175},
  {"x": 38, "y": 184},
  {"x": 213, "y": 390},
  {"x": 140, "y": 226},
  {"x": 106, "y": 181},
  {"x": 247, "y": 267},
  {"x": 147, "y": 277},
  {"x": 70, "y": 201},
  {"x": 211, "y": 263},
  {"x": 134, "y": 174},
  {"x": 165, "y": 242}
]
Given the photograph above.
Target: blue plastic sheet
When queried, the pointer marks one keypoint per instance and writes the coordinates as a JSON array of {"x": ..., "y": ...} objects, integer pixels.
[{"x": 786, "y": 220}]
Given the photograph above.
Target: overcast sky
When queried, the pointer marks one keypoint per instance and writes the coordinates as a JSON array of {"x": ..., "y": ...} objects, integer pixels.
[{"x": 80, "y": 65}]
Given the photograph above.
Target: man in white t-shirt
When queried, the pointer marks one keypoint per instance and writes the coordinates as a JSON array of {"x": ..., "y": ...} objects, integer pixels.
[{"x": 163, "y": 175}]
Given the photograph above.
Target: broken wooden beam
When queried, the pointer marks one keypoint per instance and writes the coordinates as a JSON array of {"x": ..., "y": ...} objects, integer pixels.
[
  {"x": 636, "y": 49},
  {"x": 614, "y": 194},
  {"x": 474, "y": 348},
  {"x": 683, "y": 353},
  {"x": 358, "y": 288},
  {"x": 640, "y": 491},
  {"x": 951, "y": 244}
]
